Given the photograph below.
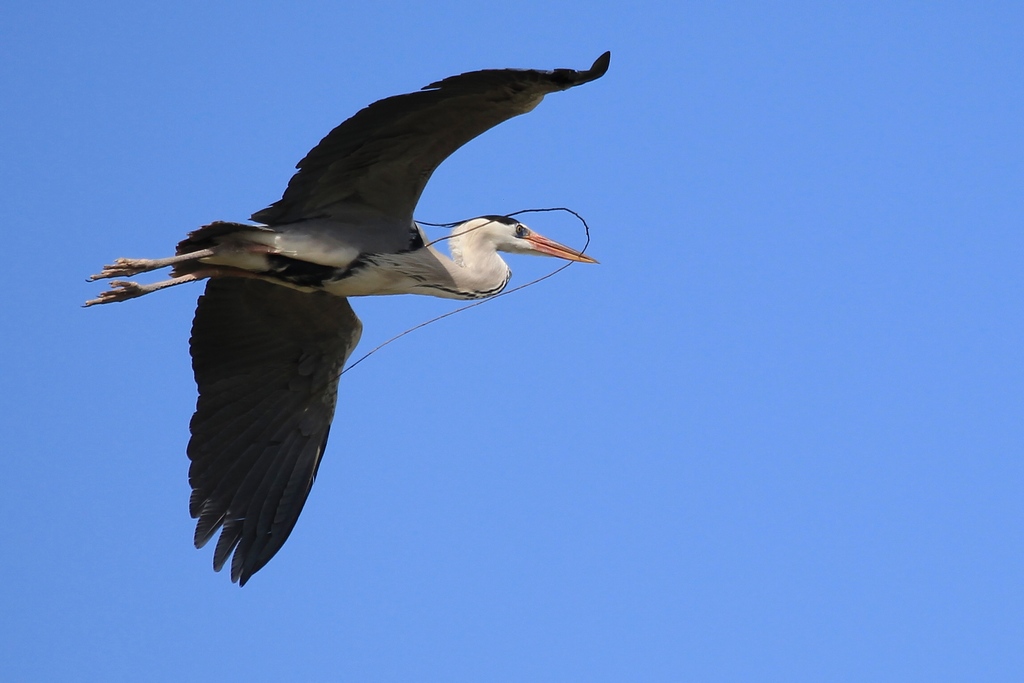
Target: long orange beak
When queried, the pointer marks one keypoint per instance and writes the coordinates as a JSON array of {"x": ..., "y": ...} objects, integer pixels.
[{"x": 553, "y": 248}]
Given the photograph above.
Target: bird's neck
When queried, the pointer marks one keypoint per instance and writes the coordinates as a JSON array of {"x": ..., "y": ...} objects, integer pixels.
[
  {"x": 475, "y": 265},
  {"x": 475, "y": 271}
]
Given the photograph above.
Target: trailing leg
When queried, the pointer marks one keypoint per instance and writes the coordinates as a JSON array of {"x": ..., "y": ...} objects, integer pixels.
[
  {"x": 126, "y": 267},
  {"x": 219, "y": 241},
  {"x": 122, "y": 291}
]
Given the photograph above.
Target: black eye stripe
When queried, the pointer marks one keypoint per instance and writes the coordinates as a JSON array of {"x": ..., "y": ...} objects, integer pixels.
[{"x": 504, "y": 220}]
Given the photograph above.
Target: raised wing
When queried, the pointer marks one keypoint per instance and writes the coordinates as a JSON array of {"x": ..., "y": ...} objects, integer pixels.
[
  {"x": 267, "y": 360},
  {"x": 383, "y": 156}
]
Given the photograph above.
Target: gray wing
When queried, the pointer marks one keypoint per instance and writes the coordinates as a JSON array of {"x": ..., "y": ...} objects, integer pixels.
[
  {"x": 267, "y": 360},
  {"x": 384, "y": 155}
]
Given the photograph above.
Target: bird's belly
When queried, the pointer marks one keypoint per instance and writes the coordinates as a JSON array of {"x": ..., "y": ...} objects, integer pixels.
[
  {"x": 369, "y": 281},
  {"x": 378, "y": 276}
]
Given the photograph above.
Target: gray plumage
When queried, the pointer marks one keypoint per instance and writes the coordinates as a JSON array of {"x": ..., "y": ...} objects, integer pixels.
[{"x": 274, "y": 327}]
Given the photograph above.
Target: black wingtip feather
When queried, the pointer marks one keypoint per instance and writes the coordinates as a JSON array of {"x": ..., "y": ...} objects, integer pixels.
[
  {"x": 599, "y": 67},
  {"x": 230, "y": 535}
]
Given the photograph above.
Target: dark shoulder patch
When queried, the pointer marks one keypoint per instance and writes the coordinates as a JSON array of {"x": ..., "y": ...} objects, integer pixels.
[
  {"x": 302, "y": 273},
  {"x": 415, "y": 239}
]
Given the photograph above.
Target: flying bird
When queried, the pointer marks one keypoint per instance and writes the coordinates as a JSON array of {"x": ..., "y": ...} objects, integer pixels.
[{"x": 274, "y": 327}]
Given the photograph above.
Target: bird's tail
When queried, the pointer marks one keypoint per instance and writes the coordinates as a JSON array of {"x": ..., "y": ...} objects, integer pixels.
[
  {"x": 219, "y": 236},
  {"x": 214, "y": 234}
]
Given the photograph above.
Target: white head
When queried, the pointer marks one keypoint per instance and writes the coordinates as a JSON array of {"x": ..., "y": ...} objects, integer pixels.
[{"x": 487, "y": 234}]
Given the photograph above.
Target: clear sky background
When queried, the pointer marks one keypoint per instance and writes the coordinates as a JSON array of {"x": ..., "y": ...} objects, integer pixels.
[{"x": 776, "y": 435}]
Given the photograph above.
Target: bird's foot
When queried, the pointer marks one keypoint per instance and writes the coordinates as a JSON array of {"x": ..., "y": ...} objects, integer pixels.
[
  {"x": 120, "y": 291},
  {"x": 126, "y": 267}
]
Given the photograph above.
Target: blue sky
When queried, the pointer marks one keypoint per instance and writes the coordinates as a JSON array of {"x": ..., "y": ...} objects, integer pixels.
[{"x": 775, "y": 435}]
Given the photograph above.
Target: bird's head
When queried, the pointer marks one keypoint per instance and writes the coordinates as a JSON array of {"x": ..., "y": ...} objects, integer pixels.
[{"x": 509, "y": 235}]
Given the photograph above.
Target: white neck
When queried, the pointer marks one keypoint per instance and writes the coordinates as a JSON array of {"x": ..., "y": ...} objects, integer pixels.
[
  {"x": 475, "y": 265},
  {"x": 475, "y": 271}
]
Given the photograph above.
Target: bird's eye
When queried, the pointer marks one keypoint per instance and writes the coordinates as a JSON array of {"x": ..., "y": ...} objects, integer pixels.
[{"x": 522, "y": 231}]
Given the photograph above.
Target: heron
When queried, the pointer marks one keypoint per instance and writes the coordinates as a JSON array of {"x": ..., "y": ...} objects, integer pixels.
[{"x": 273, "y": 328}]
